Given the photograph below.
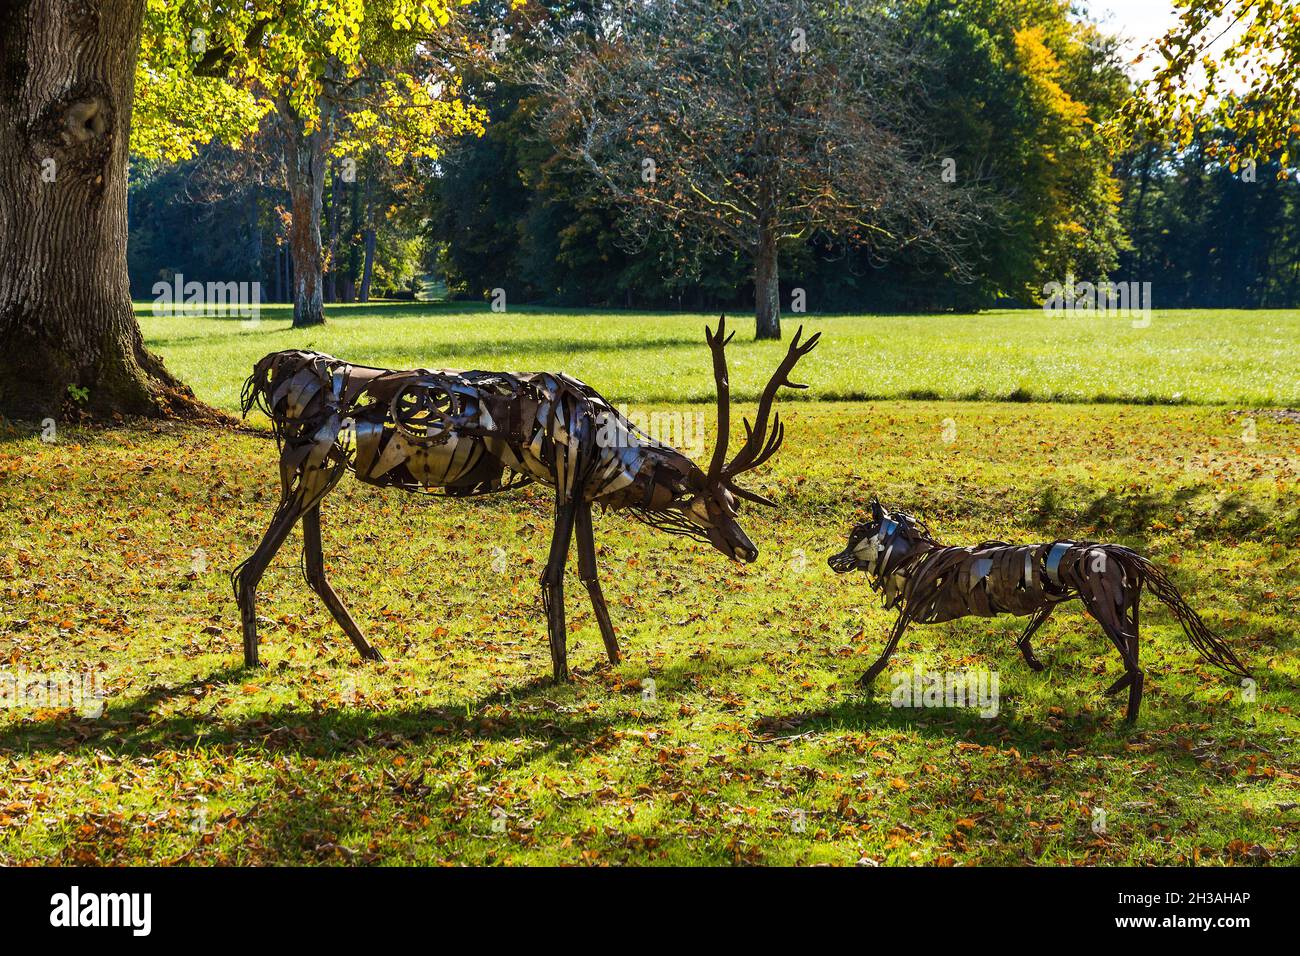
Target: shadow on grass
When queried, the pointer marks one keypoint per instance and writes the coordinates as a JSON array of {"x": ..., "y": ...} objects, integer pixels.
[
  {"x": 1099, "y": 731},
  {"x": 305, "y": 813},
  {"x": 1054, "y": 511},
  {"x": 874, "y": 713},
  {"x": 512, "y": 347},
  {"x": 460, "y": 308},
  {"x": 128, "y": 726},
  {"x": 1134, "y": 513}
]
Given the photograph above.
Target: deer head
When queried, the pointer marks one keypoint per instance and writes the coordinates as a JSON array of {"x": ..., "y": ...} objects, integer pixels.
[{"x": 712, "y": 507}]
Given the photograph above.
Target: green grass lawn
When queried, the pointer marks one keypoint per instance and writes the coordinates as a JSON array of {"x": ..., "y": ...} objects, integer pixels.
[
  {"x": 1193, "y": 357},
  {"x": 756, "y": 748}
]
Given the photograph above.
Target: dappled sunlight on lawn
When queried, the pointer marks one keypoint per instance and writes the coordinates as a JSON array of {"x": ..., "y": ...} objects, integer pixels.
[{"x": 458, "y": 747}]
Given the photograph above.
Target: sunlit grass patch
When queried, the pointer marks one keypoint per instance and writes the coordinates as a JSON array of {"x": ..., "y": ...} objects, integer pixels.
[
  {"x": 755, "y": 747},
  {"x": 1199, "y": 356}
]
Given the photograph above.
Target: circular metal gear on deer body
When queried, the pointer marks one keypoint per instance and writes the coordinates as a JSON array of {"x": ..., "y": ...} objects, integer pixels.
[{"x": 424, "y": 412}]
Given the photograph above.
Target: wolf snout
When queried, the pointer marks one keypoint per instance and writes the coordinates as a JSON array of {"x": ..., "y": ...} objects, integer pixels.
[{"x": 841, "y": 562}]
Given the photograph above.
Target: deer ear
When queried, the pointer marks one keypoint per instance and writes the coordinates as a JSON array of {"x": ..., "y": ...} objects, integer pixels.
[{"x": 877, "y": 512}]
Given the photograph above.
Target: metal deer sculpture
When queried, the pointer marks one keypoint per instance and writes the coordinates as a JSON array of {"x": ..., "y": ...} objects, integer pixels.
[
  {"x": 474, "y": 433},
  {"x": 930, "y": 582}
]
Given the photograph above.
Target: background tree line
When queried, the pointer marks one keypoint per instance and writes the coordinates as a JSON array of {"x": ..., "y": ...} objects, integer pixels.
[
  {"x": 1017, "y": 88},
  {"x": 334, "y": 148}
]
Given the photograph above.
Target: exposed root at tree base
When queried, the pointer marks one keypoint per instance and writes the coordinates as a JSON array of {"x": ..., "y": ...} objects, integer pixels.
[{"x": 179, "y": 403}]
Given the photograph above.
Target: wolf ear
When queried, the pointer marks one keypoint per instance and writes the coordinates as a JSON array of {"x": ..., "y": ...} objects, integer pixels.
[{"x": 877, "y": 512}]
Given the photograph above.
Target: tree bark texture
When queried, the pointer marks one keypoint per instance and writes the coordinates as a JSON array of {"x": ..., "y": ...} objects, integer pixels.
[
  {"x": 304, "y": 170},
  {"x": 767, "y": 290},
  {"x": 69, "y": 339}
]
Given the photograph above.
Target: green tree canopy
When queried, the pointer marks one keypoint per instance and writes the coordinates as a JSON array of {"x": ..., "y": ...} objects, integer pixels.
[{"x": 1229, "y": 69}]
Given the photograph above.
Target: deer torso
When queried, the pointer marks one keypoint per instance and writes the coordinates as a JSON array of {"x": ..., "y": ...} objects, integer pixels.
[{"x": 460, "y": 433}]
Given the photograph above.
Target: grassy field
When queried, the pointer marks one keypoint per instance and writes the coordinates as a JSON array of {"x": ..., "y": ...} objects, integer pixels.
[
  {"x": 756, "y": 747},
  {"x": 1193, "y": 357}
]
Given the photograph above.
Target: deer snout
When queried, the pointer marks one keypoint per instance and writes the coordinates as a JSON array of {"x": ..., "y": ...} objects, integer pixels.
[{"x": 734, "y": 543}]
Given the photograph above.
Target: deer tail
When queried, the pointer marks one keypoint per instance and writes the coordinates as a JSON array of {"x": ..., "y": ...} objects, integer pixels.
[
  {"x": 1211, "y": 647},
  {"x": 257, "y": 387},
  {"x": 260, "y": 386}
]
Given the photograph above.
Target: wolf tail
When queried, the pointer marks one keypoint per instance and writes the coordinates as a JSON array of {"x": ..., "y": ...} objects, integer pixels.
[{"x": 1211, "y": 647}]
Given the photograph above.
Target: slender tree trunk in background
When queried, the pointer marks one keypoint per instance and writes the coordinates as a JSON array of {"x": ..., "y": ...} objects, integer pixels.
[
  {"x": 1197, "y": 286},
  {"x": 1138, "y": 231},
  {"x": 280, "y": 272},
  {"x": 368, "y": 242},
  {"x": 767, "y": 290},
  {"x": 304, "y": 170},
  {"x": 67, "y": 79},
  {"x": 368, "y": 268},
  {"x": 332, "y": 282},
  {"x": 354, "y": 258},
  {"x": 258, "y": 267}
]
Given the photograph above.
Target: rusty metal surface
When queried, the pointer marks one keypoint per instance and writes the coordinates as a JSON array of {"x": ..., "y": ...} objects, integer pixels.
[
  {"x": 929, "y": 582},
  {"x": 462, "y": 433}
]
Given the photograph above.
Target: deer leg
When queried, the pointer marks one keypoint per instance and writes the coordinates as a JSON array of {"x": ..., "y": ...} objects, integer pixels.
[
  {"x": 250, "y": 573},
  {"x": 1027, "y": 649},
  {"x": 588, "y": 573},
  {"x": 315, "y": 560},
  {"x": 553, "y": 585},
  {"x": 1119, "y": 685},
  {"x": 874, "y": 670}
]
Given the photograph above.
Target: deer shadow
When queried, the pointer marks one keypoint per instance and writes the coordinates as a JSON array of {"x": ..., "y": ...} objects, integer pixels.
[
  {"x": 295, "y": 819},
  {"x": 128, "y": 726}
]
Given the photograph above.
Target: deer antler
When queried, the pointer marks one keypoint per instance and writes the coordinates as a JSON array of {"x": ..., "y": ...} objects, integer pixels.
[
  {"x": 718, "y": 345},
  {"x": 760, "y": 443}
]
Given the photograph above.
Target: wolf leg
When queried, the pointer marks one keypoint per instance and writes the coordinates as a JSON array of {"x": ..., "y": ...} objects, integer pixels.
[
  {"x": 1026, "y": 648},
  {"x": 1123, "y": 634},
  {"x": 867, "y": 679}
]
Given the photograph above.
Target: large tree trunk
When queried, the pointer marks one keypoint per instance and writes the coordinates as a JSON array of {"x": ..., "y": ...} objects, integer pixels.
[
  {"x": 304, "y": 173},
  {"x": 767, "y": 290},
  {"x": 67, "y": 78}
]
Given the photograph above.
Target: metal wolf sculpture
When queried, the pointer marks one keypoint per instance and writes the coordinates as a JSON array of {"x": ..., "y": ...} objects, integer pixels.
[
  {"x": 473, "y": 433},
  {"x": 930, "y": 582}
]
